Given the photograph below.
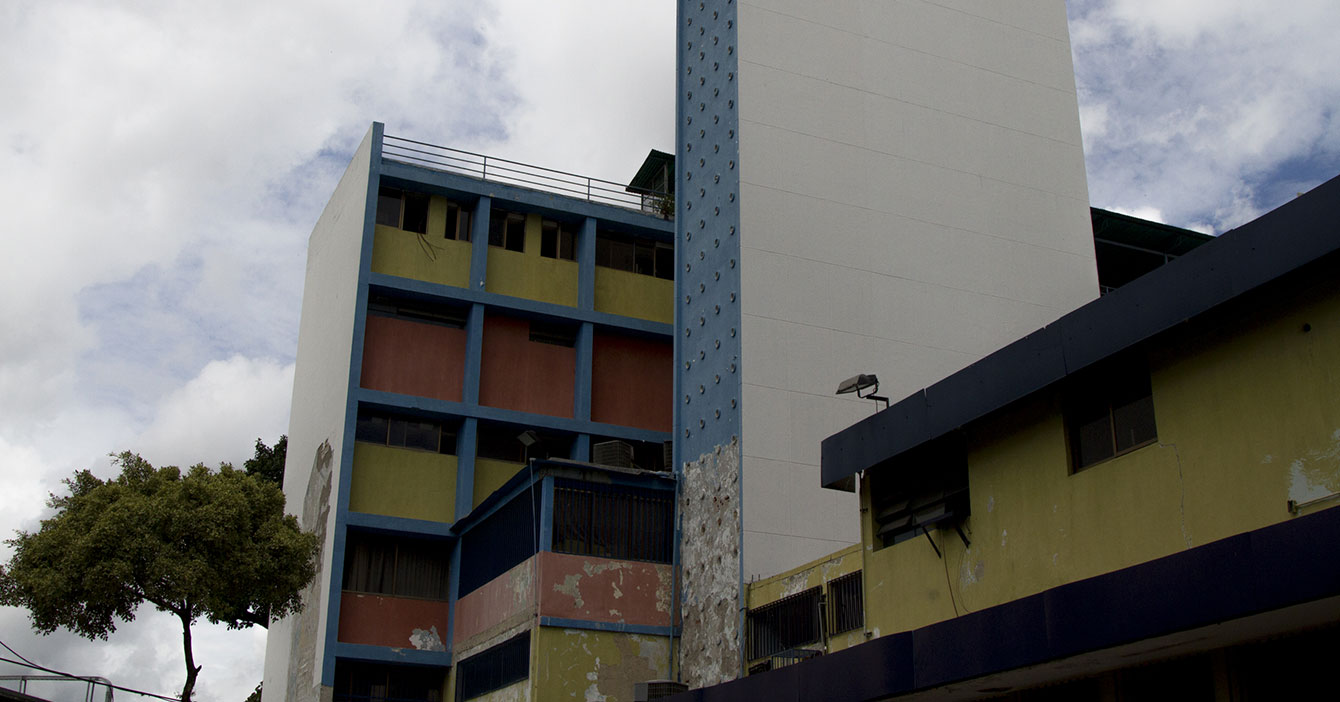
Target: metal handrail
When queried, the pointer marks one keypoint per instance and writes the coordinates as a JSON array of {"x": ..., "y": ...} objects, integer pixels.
[
  {"x": 501, "y": 170},
  {"x": 93, "y": 682}
]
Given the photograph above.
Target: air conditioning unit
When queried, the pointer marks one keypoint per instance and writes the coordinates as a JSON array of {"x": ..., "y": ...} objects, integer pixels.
[
  {"x": 618, "y": 454},
  {"x": 657, "y": 689}
]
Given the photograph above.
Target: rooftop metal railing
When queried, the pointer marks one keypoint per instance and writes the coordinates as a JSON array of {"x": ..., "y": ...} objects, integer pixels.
[{"x": 501, "y": 170}]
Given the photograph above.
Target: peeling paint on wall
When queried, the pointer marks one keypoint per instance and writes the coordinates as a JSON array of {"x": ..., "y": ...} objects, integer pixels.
[
  {"x": 571, "y": 586},
  {"x": 302, "y": 644},
  {"x": 710, "y": 561},
  {"x": 426, "y": 640},
  {"x": 1316, "y": 475}
]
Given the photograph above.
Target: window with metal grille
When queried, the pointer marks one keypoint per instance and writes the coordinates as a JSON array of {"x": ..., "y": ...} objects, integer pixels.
[
  {"x": 501, "y": 541},
  {"x": 613, "y": 522},
  {"x": 845, "y": 604},
  {"x": 920, "y": 490},
  {"x": 787, "y": 623},
  {"x": 495, "y": 668},
  {"x": 377, "y": 682},
  {"x": 386, "y": 565}
]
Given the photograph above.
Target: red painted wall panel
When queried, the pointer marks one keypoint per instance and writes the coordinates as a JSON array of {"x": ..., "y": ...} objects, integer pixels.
[
  {"x": 604, "y": 590},
  {"x": 390, "y": 621},
  {"x": 632, "y": 382},
  {"x": 508, "y": 598},
  {"x": 520, "y": 374},
  {"x": 427, "y": 360}
]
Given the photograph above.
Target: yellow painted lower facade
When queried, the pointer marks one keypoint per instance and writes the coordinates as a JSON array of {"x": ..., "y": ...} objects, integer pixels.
[
  {"x": 634, "y": 295},
  {"x": 582, "y": 664},
  {"x": 425, "y": 257},
  {"x": 400, "y": 482},
  {"x": 1248, "y": 420},
  {"x": 529, "y": 275}
]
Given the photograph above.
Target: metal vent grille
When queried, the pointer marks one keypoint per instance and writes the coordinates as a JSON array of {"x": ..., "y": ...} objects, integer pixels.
[
  {"x": 618, "y": 454},
  {"x": 657, "y": 689}
]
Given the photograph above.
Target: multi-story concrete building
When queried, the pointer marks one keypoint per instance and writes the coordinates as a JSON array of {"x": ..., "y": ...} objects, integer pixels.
[
  {"x": 893, "y": 188},
  {"x": 462, "y": 315},
  {"x": 1135, "y": 502}
]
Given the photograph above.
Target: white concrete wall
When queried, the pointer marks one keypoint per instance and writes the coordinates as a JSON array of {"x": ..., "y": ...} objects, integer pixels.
[
  {"x": 912, "y": 197},
  {"x": 295, "y": 646}
]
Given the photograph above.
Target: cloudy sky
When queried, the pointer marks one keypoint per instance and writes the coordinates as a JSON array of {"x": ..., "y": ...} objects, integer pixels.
[{"x": 161, "y": 165}]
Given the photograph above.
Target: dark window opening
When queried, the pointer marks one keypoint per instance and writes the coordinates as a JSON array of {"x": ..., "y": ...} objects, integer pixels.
[
  {"x": 458, "y": 222},
  {"x": 405, "y": 432},
  {"x": 415, "y": 217},
  {"x": 507, "y": 230},
  {"x": 845, "y": 603},
  {"x": 500, "y": 442},
  {"x": 1110, "y": 412},
  {"x": 398, "y": 567},
  {"x": 388, "y": 206},
  {"x": 557, "y": 241},
  {"x": 613, "y": 522},
  {"x": 787, "y": 623},
  {"x": 556, "y": 333},
  {"x": 919, "y": 491},
  {"x": 635, "y": 255},
  {"x": 356, "y": 681},
  {"x": 495, "y": 668},
  {"x": 447, "y": 316}
]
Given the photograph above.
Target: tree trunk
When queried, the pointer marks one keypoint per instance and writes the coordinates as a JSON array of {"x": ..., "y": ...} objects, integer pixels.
[{"x": 192, "y": 670}]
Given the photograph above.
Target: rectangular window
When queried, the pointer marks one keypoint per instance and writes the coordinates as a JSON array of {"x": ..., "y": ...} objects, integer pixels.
[
  {"x": 1110, "y": 412},
  {"x": 398, "y": 567},
  {"x": 507, "y": 230},
  {"x": 921, "y": 490},
  {"x": 635, "y": 255},
  {"x": 557, "y": 241},
  {"x": 787, "y": 623},
  {"x": 415, "y": 210},
  {"x": 846, "y": 608},
  {"x": 555, "y": 333},
  {"x": 405, "y": 432},
  {"x": 613, "y": 522},
  {"x": 388, "y": 206},
  {"x": 447, "y": 316},
  {"x": 356, "y": 681},
  {"x": 494, "y": 668},
  {"x": 458, "y": 222}
]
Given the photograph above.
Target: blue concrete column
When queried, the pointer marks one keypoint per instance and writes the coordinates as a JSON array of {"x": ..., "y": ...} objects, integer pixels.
[
  {"x": 586, "y": 265},
  {"x": 465, "y": 470},
  {"x": 581, "y": 448},
  {"x": 474, "y": 353},
  {"x": 479, "y": 243},
  {"x": 581, "y": 391},
  {"x": 453, "y": 589}
]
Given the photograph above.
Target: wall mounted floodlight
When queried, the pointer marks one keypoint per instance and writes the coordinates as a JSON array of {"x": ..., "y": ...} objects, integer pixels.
[
  {"x": 864, "y": 381},
  {"x": 528, "y": 438}
]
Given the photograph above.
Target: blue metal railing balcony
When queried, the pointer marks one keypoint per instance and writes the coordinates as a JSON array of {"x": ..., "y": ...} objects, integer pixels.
[{"x": 501, "y": 170}]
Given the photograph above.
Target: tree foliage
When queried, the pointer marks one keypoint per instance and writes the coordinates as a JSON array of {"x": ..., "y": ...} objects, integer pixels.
[
  {"x": 268, "y": 463},
  {"x": 211, "y": 544}
]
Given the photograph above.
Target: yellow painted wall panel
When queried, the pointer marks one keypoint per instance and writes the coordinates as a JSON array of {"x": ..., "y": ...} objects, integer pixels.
[
  {"x": 528, "y": 274},
  {"x": 813, "y": 574},
  {"x": 490, "y": 474},
  {"x": 433, "y": 259},
  {"x": 634, "y": 295},
  {"x": 401, "y": 482},
  {"x": 596, "y": 665},
  {"x": 1248, "y": 417}
]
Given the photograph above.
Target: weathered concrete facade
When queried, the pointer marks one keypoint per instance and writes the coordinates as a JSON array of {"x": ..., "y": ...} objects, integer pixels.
[{"x": 712, "y": 604}]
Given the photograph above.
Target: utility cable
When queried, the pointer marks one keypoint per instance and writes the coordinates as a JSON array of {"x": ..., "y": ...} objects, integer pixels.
[{"x": 93, "y": 681}]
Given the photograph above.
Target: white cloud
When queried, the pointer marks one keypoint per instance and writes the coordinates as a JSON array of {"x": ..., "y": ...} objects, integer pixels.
[{"x": 1201, "y": 109}]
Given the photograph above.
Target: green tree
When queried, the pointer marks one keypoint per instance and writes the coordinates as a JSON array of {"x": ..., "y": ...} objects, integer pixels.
[
  {"x": 268, "y": 463},
  {"x": 212, "y": 544}
]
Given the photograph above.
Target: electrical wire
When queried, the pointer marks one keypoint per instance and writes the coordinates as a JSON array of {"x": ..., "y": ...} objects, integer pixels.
[{"x": 93, "y": 681}]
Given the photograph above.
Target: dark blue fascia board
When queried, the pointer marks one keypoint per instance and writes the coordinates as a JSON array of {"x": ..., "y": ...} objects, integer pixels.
[
  {"x": 430, "y": 407},
  {"x": 387, "y": 524},
  {"x": 519, "y": 305},
  {"x": 617, "y": 627},
  {"x": 539, "y": 201},
  {"x": 1241, "y": 261},
  {"x": 386, "y": 654}
]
